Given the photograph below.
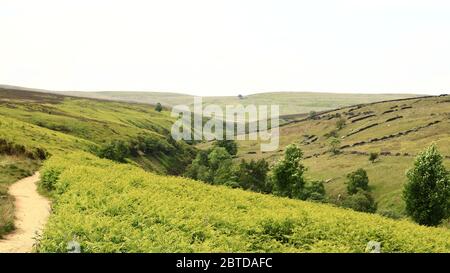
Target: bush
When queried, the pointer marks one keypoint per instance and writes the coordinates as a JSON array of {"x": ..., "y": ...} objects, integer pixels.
[
  {"x": 229, "y": 145},
  {"x": 116, "y": 150},
  {"x": 335, "y": 144},
  {"x": 427, "y": 192},
  {"x": 158, "y": 107},
  {"x": 357, "y": 180},
  {"x": 360, "y": 201},
  {"x": 340, "y": 124},
  {"x": 48, "y": 179},
  {"x": 287, "y": 174},
  {"x": 253, "y": 175},
  {"x": 314, "y": 191},
  {"x": 373, "y": 157}
]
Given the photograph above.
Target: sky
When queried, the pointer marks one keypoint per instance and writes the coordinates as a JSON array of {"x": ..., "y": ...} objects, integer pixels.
[{"x": 227, "y": 47}]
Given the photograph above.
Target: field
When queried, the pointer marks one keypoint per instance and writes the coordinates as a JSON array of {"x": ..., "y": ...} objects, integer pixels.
[
  {"x": 110, "y": 207},
  {"x": 397, "y": 130}
]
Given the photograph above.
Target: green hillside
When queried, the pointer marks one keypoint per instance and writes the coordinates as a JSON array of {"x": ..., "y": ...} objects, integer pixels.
[
  {"x": 397, "y": 130},
  {"x": 134, "y": 206},
  {"x": 291, "y": 103},
  {"x": 110, "y": 207},
  {"x": 36, "y": 125}
]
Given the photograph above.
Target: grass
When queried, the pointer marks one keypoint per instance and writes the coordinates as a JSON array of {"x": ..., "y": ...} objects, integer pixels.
[{"x": 110, "y": 207}]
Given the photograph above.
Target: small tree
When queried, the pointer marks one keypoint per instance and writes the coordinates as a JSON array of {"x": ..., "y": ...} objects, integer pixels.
[
  {"x": 312, "y": 114},
  {"x": 427, "y": 192},
  {"x": 229, "y": 145},
  {"x": 158, "y": 107},
  {"x": 373, "y": 157},
  {"x": 287, "y": 174},
  {"x": 357, "y": 180},
  {"x": 240, "y": 96},
  {"x": 335, "y": 144},
  {"x": 340, "y": 124},
  {"x": 253, "y": 175}
]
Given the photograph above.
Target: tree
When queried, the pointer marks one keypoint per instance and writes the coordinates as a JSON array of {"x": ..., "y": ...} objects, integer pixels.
[
  {"x": 253, "y": 175},
  {"x": 357, "y": 180},
  {"x": 229, "y": 145},
  {"x": 340, "y": 124},
  {"x": 240, "y": 96},
  {"x": 214, "y": 166},
  {"x": 158, "y": 107},
  {"x": 373, "y": 157},
  {"x": 287, "y": 174},
  {"x": 335, "y": 144},
  {"x": 116, "y": 150},
  {"x": 427, "y": 192},
  {"x": 314, "y": 191},
  {"x": 312, "y": 114},
  {"x": 360, "y": 201}
]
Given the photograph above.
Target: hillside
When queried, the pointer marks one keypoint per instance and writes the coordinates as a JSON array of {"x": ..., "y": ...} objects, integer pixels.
[
  {"x": 55, "y": 123},
  {"x": 36, "y": 125},
  {"x": 110, "y": 207},
  {"x": 397, "y": 130},
  {"x": 291, "y": 103}
]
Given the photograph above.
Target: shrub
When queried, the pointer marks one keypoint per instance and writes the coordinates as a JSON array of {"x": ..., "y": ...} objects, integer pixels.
[
  {"x": 340, "y": 124},
  {"x": 427, "y": 192},
  {"x": 335, "y": 144},
  {"x": 158, "y": 107},
  {"x": 48, "y": 179},
  {"x": 116, "y": 150},
  {"x": 357, "y": 180},
  {"x": 373, "y": 157},
  {"x": 314, "y": 191},
  {"x": 229, "y": 145},
  {"x": 360, "y": 201},
  {"x": 253, "y": 175}
]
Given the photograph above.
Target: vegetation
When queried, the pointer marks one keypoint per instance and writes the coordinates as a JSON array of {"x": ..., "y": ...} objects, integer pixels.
[
  {"x": 427, "y": 192},
  {"x": 111, "y": 207},
  {"x": 229, "y": 145},
  {"x": 373, "y": 157},
  {"x": 357, "y": 180},
  {"x": 287, "y": 174},
  {"x": 397, "y": 130},
  {"x": 158, "y": 107}
]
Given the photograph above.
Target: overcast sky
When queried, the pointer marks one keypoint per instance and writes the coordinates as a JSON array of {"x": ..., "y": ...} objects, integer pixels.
[{"x": 227, "y": 47}]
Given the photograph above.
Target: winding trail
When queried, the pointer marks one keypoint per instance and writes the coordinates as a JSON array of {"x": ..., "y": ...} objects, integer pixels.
[{"x": 31, "y": 213}]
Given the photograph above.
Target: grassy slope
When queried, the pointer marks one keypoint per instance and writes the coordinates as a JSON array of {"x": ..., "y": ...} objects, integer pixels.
[
  {"x": 110, "y": 207},
  {"x": 290, "y": 102},
  {"x": 387, "y": 175},
  {"x": 59, "y": 124}
]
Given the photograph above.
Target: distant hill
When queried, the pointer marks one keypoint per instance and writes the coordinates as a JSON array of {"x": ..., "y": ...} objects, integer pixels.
[
  {"x": 290, "y": 102},
  {"x": 398, "y": 130}
]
